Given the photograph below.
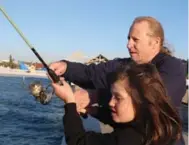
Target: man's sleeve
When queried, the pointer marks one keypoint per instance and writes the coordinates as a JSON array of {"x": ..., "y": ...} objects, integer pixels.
[{"x": 90, "y": 76}]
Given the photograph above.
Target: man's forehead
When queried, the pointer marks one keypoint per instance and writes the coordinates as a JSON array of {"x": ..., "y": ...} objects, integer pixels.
[{"x": 139, "y": 29}]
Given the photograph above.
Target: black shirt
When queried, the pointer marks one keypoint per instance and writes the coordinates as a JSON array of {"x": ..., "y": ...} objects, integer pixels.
[{"x": 131, "y": 133}]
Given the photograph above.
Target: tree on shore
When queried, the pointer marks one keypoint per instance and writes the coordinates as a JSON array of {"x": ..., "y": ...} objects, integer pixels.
[{"x": 11, "y": 64}]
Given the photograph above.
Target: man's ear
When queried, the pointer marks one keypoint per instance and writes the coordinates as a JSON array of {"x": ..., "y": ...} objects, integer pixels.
[{"x": 156, "y": 42}]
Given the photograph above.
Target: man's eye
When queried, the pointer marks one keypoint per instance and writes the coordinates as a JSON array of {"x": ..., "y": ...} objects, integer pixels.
[
  {"x": 128, "y": 38},
  {"x": 135, "y": 39}
]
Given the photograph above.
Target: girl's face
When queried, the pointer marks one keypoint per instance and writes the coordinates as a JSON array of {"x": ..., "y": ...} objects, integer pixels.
[{"x": 121, "y": 104}]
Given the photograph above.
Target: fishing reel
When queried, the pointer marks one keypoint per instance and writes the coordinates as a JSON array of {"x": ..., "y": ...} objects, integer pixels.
[{"x": 41, "y": 93}]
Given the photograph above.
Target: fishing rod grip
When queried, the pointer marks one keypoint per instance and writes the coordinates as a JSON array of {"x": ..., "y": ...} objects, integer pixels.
[{"x": 54, "y": 77}]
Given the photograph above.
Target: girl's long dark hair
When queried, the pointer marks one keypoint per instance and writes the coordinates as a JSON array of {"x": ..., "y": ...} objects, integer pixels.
[{"x": 148, "y": 93}]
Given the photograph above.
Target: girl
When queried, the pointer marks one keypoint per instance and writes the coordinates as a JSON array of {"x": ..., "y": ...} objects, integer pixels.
[{"x": 139, "y": 106}]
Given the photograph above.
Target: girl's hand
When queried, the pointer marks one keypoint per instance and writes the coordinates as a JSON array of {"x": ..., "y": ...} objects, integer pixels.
[{"x": 64, "y": 92}]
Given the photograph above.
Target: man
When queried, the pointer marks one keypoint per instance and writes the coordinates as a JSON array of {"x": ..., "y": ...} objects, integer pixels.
[{"x": 145, "y": 45}]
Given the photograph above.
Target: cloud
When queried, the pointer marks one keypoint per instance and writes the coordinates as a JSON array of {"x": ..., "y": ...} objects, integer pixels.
[{"x": 78, "y": 56}]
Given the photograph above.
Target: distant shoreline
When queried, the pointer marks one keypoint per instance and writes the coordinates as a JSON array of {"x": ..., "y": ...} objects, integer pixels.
[{"x": 20, "y": 73}]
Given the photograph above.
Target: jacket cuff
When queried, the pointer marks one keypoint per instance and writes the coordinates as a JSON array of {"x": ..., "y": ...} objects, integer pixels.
[{"x": 71, "y": 108}]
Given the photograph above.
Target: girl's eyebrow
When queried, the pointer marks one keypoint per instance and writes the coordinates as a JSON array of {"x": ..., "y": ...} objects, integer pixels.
[
  {"x": 115, "y": 92},
  {"x": 118, "y": 95}
]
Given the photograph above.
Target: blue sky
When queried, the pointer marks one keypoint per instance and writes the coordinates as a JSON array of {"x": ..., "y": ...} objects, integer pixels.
[{"x": 59, "y": 28}]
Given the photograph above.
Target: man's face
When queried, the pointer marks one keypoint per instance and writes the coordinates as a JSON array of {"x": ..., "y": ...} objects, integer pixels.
[{"x": 140, "y": 44}]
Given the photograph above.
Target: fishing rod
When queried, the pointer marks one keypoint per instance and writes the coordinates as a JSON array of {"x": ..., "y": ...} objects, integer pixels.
[{"x": 54, "y": 77}]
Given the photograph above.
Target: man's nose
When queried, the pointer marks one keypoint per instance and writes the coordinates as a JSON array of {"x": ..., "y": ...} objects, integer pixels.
[{"x": 129, "y": 44}]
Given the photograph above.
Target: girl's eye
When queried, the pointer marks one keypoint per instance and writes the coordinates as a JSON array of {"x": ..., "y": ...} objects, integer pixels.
[{"x": 118, "y": 98}]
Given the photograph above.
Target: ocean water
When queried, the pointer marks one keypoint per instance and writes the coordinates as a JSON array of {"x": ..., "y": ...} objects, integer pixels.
[{"x": 23, "y": 121}]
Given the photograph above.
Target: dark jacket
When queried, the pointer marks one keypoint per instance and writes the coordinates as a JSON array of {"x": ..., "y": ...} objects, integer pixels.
[
  {"x": 132, "y": 133},
  {"x": 94, "y": 76}
]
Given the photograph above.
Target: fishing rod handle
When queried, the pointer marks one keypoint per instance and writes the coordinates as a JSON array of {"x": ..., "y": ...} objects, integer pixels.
[{"x": 54, "y": 77}]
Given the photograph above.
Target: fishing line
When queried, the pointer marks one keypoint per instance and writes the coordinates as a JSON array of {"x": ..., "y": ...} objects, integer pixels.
[
  {"x": 55, "y": 78},
  {"x": 36, "y": 88},
  {"x": 41, "y": 96}
]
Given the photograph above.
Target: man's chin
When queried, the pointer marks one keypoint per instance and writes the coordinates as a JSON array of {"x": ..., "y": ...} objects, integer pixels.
[{"x": 135, "y": 59}]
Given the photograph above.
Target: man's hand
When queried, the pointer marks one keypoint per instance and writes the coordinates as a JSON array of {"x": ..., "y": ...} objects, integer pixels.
[
  {"x": 84, "y": 100},
  {"x": 58, "y": 67}
]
